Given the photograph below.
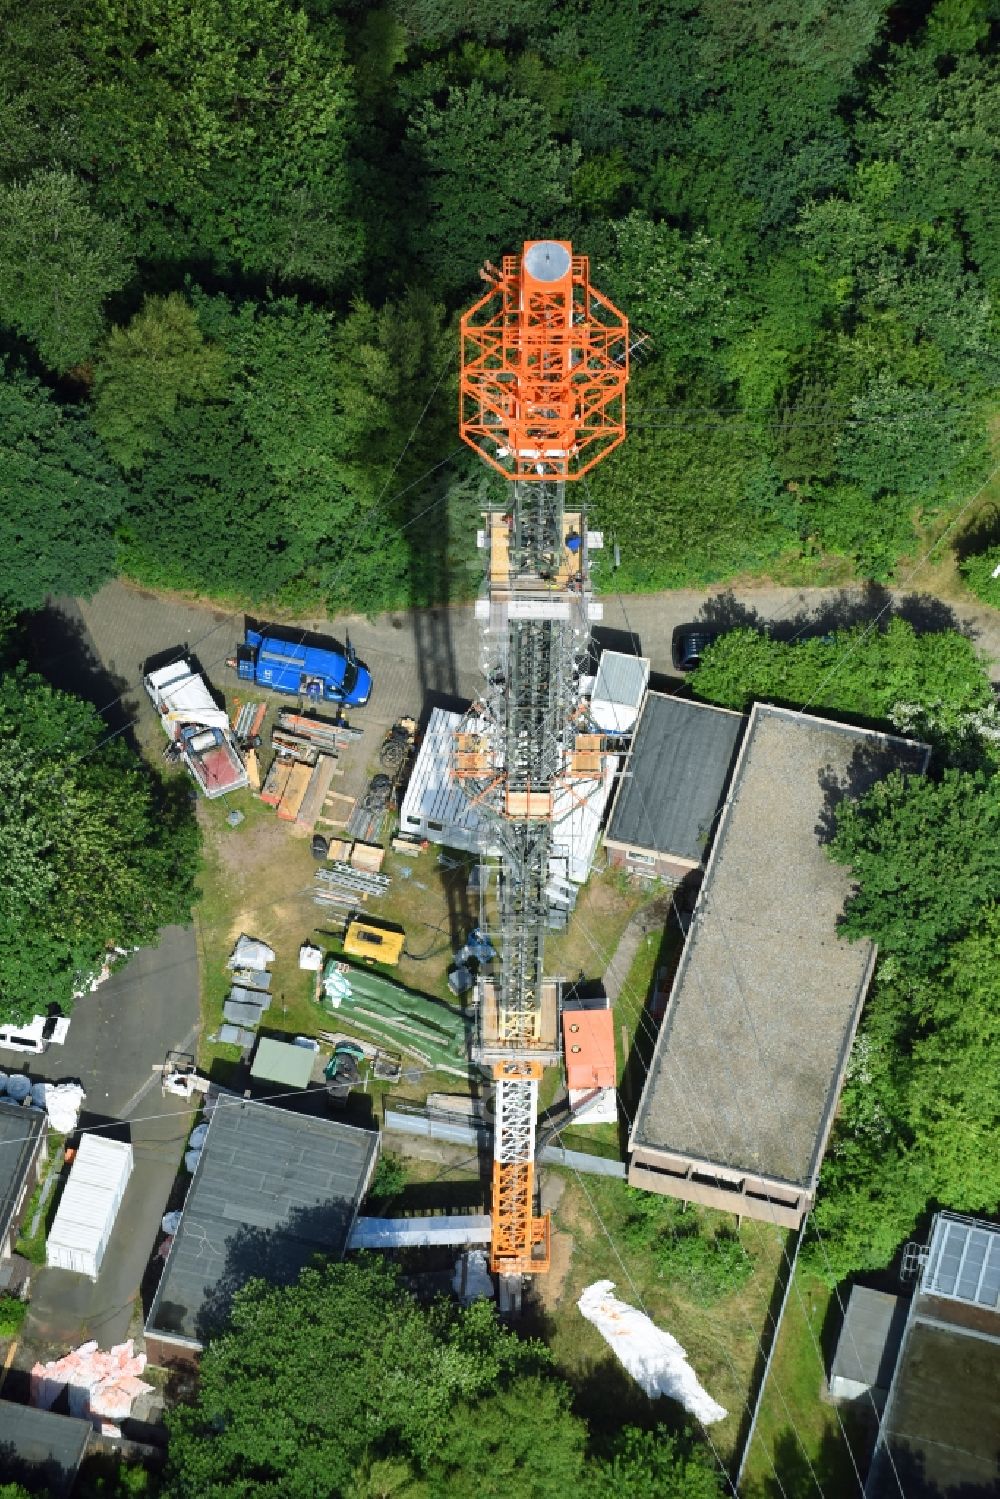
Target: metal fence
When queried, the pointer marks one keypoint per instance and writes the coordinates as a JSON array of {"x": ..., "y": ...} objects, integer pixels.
[
  {"x": 582, "y": 1160},
  {"x": 405, "y": 1118}
]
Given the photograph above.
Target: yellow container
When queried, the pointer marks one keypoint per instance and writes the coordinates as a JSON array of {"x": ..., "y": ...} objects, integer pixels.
[{"x": 377, "y": 944}]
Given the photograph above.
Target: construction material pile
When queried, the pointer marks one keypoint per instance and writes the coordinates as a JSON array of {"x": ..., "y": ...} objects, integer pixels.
[
  {"x": 301, "y": 736},
  {"x": 102, "y": 1386},
  {"x": 345, "y": 884},
  {"x": 249, "y": 996},
  {"x": 435, "y": 1033}
]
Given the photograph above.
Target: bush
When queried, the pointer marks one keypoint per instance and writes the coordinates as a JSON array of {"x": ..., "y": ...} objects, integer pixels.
[
  {"x": 707, "y": 1261},
  {"x": 12, "y": 1314},
  {"x": 389, "y": 1178},
  {"x": 977, "y": 573}
]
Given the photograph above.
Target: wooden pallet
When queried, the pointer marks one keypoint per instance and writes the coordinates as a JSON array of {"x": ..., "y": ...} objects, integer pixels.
[
  {"x": 276, "y": 782},
  {"x": 367, "y": 856}
]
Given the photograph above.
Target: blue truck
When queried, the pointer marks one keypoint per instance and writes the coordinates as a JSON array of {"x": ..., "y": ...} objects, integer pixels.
[{"x": 309, "y": 671}]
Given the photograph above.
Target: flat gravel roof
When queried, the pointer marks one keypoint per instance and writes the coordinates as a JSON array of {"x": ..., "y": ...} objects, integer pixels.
[{"x": 749, "y": 1059}]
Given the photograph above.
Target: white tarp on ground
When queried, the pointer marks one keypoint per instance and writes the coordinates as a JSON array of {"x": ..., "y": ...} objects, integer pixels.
[
  {"x": 250, "y": 952},
  {"x": 655, "y": 1360},
  {"x": 182, "y": 694}
]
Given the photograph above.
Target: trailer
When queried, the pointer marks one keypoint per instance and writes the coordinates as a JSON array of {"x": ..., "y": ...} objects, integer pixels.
[
  {"x": 89, "y": 1205},
  {"x": 316, "y": 673},
  {"x": 197, "y": 728}
]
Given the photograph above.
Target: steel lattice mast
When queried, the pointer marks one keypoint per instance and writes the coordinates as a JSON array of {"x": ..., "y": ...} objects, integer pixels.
[{"x": 544, "y": 367}]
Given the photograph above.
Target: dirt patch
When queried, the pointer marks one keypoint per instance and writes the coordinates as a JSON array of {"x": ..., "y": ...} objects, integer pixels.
[{"x": 548, "y": 1289}]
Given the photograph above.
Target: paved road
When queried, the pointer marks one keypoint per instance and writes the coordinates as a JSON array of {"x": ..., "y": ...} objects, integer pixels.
[
  {"x": 146, "y": 1008},
  {"x": 67, "y": 1309},
  {"x": 433, "y": 654}
]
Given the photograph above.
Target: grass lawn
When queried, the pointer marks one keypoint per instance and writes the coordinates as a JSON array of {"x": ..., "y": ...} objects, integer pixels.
[
  {"x": 593, "y": 1241},
  {"x": 32, "y": 1246},
  {"x": 257, "y": 878},
  {"x": 795, "y": 1422}
]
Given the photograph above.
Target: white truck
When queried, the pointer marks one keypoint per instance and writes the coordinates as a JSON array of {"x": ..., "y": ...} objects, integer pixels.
[
  {"x": 35, "y": 1035},
  {"x": 198, "y": 729}
]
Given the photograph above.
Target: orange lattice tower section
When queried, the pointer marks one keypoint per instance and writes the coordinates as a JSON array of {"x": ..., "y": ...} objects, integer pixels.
[{"x": 544, "y": 367}]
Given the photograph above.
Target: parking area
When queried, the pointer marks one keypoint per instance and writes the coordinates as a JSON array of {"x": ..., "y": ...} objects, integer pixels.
[
  {"x": 147, "y": 1007},
  {"x": 117, "y": 1034}
]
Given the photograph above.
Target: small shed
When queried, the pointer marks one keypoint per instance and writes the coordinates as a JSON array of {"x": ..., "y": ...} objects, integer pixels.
[
  {"x": 282, "y": 1062},
  {"x": 868, "y": 1346},
  {"x": 673, "y": 787},
  {"x": 618, "y": 691},
  {"x": 589, "y": 1047},
  {"x": 86, "y": 1215}
]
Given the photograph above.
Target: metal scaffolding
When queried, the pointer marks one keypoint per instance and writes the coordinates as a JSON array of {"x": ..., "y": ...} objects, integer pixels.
[{"x": 545, "y": 360}]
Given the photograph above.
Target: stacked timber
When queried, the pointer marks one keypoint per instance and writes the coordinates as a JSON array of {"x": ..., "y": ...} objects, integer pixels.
[
  {"x": 306, "y": 737},
  {"x": 294, "y": 793},
  {"x": 277, "y": 780},
  {"x": 312, "y": 802}
]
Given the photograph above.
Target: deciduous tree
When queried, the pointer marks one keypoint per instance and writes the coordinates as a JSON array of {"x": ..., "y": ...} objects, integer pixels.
[
  {"x": 97, "y": 850},
  {"x": 60, "y": 497},
  {"x": 59, "y": 263}
]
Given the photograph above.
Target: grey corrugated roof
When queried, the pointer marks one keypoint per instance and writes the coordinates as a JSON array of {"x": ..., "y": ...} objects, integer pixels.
[
  {"x": 271, "y": 1190},
  {"x": 748, "y": 1061},
  {"x": 239, "y": 994},
  {"x": 41, "y": 1448},
  {"x": 870, "y": 1337},
  {"x": 675, "y": 777},
  {"x": 433, "y": 793},
  {"x": 20, "y": 1129}
]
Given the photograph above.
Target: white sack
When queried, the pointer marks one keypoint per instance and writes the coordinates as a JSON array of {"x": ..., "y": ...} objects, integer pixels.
[
  {"x": 171, "y": 1222},
  {"x": 197, "y": 1139},
  {"x": 62, "y": 1102},
  {"x": 250, "y": 952},
  {"x": 655, "y": 1360},
  {"x": 191, "y": 1159}
]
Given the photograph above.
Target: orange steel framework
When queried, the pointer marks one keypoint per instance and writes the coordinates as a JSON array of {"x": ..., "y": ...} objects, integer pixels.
[
  {"x": 543, "y": 374},
  {"x": 544, "y": 367}
]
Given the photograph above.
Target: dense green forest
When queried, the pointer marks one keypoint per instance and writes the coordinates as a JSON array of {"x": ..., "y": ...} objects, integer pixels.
[
  {"x": 235, "y": 236},
  {"x": 98, "y": 850}
]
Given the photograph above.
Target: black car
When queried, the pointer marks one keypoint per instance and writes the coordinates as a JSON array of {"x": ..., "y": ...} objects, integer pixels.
[{"x": 689, "y": 644}]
